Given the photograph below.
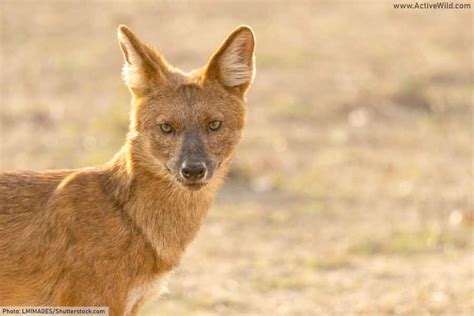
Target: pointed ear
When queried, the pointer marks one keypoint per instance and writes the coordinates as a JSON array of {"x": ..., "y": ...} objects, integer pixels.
[
  {"x": 233, "y": 64},
  {"x": 142, "y": 64}
]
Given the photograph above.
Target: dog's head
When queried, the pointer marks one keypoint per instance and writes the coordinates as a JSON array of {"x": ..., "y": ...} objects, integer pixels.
[{"x": 185, "y": 126}]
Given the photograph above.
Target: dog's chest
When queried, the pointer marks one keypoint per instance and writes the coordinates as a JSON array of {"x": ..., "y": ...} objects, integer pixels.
[{"x": 145, "y": 291}]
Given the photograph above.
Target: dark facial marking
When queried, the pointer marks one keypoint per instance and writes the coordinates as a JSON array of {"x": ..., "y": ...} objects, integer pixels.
[
  {"x": 194, "y": 161},
  {"x": 189, "y": 91}
]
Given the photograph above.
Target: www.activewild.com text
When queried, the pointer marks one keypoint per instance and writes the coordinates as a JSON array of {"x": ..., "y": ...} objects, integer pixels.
[{"x": 432, "y": 5}]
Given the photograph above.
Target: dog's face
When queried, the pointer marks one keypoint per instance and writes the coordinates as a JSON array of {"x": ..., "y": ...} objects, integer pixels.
[
  {"x": 184, "y": 127},
  {"x": 188, "y": 130}
]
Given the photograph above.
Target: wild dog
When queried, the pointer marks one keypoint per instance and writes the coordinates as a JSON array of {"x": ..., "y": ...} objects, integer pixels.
[{"x": 107, "y": 235}]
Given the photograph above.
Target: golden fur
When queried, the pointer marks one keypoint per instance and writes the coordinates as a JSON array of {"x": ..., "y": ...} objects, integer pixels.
[{"x": 106, "y": 235}]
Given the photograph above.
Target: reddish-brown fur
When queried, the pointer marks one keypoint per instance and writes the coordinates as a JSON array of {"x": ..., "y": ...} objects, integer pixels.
[{"x": 91, "y": 237}]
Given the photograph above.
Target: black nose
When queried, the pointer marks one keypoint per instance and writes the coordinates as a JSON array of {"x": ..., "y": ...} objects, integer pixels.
[{"x": 193, "y": 171}]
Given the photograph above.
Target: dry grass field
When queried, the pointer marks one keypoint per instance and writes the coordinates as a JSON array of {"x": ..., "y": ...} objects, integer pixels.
[{"x": 352, "y": 190}]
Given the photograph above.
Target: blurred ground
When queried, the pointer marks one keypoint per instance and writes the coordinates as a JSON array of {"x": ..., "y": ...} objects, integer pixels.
[{"x": 352, "y": 192}]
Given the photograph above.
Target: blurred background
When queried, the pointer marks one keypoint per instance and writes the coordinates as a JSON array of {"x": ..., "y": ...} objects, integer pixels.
[{"x": 352, "y": 190}]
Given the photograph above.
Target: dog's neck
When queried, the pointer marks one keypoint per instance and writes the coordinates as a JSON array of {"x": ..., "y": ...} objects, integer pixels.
[{"x": 168, "y": 214}]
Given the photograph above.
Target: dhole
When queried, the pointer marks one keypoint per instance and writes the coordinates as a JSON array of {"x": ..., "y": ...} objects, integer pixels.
[{"x": 107, "y": 235}]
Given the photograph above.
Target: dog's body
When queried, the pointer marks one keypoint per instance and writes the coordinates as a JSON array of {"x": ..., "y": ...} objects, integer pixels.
[{"x": 106, "y": 236}]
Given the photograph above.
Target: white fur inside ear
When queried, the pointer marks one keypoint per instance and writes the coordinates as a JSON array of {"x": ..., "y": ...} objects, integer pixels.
[
  {"x": 132, "y": 73},
  {"x": 235, "y": 68},
  {"x": 132, "y": 76}
]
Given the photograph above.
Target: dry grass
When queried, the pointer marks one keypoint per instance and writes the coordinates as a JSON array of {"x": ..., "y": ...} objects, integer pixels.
[{"x": 352, "y": 192}]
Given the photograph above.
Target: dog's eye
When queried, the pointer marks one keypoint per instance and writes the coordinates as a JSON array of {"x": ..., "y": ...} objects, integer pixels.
[
  {"x": 166, "y": 128},
  {"x": 215, "y": 125}
]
